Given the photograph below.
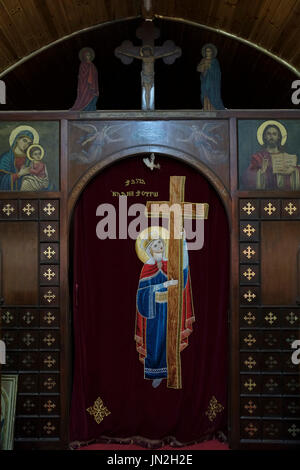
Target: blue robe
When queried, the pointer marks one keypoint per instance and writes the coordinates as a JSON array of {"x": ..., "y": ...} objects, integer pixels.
[
  {"x": 211, "y": 85},
  {"x": 155, "y": 313},
  {"x": 7, "y": 166}
]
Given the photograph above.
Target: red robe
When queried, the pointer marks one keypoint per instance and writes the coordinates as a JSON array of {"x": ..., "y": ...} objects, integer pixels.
[
  {"x": 250, "y": 181},
  {"x": 88, "y": 86},
  {"x": 19, "y": 162},
  {"x": 38, "y": 169},
  {"x": 187, "y": 313}
]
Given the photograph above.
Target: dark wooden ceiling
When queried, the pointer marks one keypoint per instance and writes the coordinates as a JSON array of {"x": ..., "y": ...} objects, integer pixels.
[{"x": 250, "y": 78}]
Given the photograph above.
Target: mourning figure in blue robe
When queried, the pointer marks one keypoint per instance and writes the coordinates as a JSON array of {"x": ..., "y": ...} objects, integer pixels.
[{"x": 210, "y": 77}]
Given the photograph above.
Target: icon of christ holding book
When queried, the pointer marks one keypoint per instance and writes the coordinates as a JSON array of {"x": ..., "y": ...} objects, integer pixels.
[
  {"x": 152, "y": 303},
  {"x": 272, "y": 167}
]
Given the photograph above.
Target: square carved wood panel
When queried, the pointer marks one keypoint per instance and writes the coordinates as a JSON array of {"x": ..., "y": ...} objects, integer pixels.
[
  {"x": 29, "y": 209},
  {"x": 250, "y": 317},
  {"x": 250, "y": 295},
  {"x": 49, "y": 253},
  {"x": 270, "y": 208},
  {"x": 249, "y": 231},
  {"x": 249, "y": 274},
  {"x": 250, "y": 384},
  {"x": 251, "y": 429},
  {"x": 49, "y": 209},
  {"x": 9, "y": 209},
  {"x": 290, "y": 208},
  {"x": 249, "y": 208},
  {"x": 249, "y": 253},
  {"x": 250, "y": 406},
  {"x": 49, "y": 231},
  {"x": 49, "y": 274}
]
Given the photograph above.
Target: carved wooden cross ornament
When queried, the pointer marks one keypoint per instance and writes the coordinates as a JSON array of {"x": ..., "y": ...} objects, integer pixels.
[{"x": 148, "y": 54}]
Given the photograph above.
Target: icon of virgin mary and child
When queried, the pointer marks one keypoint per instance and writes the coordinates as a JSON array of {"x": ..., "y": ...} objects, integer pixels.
[
  {"x": 152, "y": 303},
  {"x": 21, "y": 167}
]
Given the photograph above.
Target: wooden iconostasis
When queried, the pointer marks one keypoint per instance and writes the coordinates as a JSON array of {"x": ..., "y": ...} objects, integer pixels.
[{"x": 258, "y": 183}]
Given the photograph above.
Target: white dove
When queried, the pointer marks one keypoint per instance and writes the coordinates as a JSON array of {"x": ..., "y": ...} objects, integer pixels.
[{"x": 149, "y": 162}]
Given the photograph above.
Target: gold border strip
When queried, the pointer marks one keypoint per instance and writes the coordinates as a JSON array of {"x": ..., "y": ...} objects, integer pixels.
[
  {"x": 234, "y": 36},
  {"x": 64, "y": 38},
  {"x": 174, "y": 19}
]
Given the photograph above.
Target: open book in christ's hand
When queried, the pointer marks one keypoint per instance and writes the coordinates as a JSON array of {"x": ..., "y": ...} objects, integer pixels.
[{"x": 282, "y": 162}]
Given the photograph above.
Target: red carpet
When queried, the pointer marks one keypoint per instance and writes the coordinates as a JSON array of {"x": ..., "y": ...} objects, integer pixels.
[{"x": 208, "y": 445}]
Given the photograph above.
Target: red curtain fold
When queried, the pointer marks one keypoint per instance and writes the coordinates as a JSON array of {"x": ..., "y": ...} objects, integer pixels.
[{"x": 105, "y": 281}]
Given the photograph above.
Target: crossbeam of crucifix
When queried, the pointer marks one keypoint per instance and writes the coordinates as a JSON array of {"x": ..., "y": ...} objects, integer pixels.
[
  {"x": 148, "y": 53},
  {"x": 175, "y": 267}
]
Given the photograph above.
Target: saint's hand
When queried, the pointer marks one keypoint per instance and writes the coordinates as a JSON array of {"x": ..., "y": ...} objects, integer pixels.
[
  {"x": 172, "y": 282},
  {"x": 201, "y": 66},
  {"x": 24, "y": 171},
  {"x": 264, "y": 165}
]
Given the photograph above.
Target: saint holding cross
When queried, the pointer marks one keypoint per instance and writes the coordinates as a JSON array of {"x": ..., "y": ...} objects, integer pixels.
[
  {"x": 148, "y": 54},
  {"x": 165, "y": 311}
]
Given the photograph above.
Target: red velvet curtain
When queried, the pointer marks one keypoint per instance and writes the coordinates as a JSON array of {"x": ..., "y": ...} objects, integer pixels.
[{"x": 105, "y": 281}]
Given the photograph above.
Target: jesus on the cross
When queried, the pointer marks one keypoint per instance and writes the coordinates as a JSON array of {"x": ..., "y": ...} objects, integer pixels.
[
  {"x": 165, "y": 312},
  {"x": 148, "y": 54}
]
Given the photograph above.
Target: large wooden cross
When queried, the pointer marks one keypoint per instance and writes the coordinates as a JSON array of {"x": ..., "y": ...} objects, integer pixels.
[
  {"x": 175, "y": 268},
  {"x": 147, "y": 53}
]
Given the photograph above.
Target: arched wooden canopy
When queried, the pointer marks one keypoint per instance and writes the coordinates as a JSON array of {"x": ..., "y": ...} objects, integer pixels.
[{"x": 260, "y": 36}]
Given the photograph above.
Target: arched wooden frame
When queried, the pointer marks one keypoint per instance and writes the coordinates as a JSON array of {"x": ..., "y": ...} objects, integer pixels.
[
  {"x": 217, "y": 184},
  {"x": 167, "y": 151}
]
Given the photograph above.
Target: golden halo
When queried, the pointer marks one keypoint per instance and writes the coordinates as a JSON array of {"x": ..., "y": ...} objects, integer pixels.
[
  {"x": 150, "y": 233},
  {"x": 86, "y": 49},
  {"x": 19, "y": 129},
  {"x": 262, "y": 127},
  {"x": 35, "y": 145},
  {"x": 209, "y": 46}
]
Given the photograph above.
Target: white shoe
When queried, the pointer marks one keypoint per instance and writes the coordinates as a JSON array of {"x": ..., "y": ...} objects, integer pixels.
[{"x": 156, "y": 382}]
